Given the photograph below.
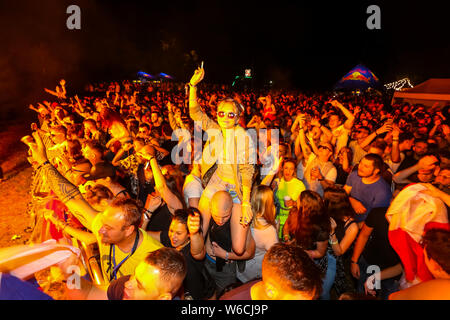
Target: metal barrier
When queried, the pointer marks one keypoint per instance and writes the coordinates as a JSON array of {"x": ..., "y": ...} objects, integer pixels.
[{"x": 41, "y": 197}]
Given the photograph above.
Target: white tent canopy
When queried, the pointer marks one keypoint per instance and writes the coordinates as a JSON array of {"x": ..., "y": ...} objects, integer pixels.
[{"x": 428, "y": 93}]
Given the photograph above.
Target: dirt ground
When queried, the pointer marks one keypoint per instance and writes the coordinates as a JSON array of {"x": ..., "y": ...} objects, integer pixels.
[
  {"x": 15, "y": 195},
  {"x": 14, "y": 190}
]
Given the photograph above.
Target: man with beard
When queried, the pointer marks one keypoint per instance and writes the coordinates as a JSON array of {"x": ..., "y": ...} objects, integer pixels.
[{"x": 366, "y": 188}]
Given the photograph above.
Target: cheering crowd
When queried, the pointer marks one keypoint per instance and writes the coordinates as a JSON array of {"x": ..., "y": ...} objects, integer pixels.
[{"x": 305, "y": 196}]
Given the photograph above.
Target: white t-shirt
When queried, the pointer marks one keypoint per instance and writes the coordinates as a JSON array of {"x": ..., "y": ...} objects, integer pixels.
[
  {"x": 192, "y": 188},
  {"x": 327, "y": 169},
  {"x": 358, "y": 152},
  {"x": 264, "y": 240},
  {"x": 340, "y": 135}
]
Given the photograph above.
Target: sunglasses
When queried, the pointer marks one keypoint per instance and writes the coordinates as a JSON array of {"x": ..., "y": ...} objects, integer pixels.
[
  {"x": 324, "y": 147},
  {"x": 231, "y": 115}
]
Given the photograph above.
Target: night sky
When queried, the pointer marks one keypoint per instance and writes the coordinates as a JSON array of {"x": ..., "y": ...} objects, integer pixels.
[{"x": 296, "y": 45}]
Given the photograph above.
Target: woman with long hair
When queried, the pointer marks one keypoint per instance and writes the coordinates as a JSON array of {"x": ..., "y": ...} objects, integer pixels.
[
  {"x": 344, "y": 230},
  {"x": 309, "y": 226},
  {"x": 263, "y": 229}
]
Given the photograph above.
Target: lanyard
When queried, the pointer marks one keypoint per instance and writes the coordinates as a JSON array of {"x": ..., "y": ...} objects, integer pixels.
[{"x": 112, "y": 249}]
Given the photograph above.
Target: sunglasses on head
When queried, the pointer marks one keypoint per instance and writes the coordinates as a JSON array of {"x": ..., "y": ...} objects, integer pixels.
[{"x": 231, "y": 115}]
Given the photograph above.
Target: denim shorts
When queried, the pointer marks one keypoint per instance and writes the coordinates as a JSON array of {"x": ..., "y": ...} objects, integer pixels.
[{"x": 216, "y": 184}]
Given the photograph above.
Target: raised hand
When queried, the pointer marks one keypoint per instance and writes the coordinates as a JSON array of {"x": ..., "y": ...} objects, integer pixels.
[
  {"x": 333, "y": 225},
  {"x": 395, "y": 131},
  {"x": 198, "y": 76},
  {"x": 301, "y": 118},
  {"x": 169, "y": 106},
  {"x": 193, "y": 223},
  {"x": 37, "y": 149},
  {"x": 276, "y": 164},
  {"x": 315, "y": 122},
  {"x": 427, "y": 162},
  {"x": 386, "y": 127}
]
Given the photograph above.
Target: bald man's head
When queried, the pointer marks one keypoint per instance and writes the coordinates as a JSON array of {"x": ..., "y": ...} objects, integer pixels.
[{"x": 221, "y": 207}]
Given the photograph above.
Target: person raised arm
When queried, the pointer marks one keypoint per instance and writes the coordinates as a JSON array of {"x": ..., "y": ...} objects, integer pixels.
[
  {"x": 340, "y": 247},
  {"x": 425, "y": 163},
  {"x": 306, "y": 150},
  {"x": 172, "y": 121},
  {"x": 386, "y": 127},
  {"x": 437, "y": 193},
  {"x": 172, "y": 201},
  {"x": 64, "y": 190},
  {"x": 348, "y": 124},
  {"x": 395, "y": 150},
  {"x": 316, "y": 123},
  {"x": 198, "y": 250},
  {"x": 195, "y": 111}
]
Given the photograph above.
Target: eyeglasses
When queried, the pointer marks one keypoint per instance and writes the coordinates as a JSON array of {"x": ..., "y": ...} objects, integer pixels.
[
  {"x": 324, "y": 147},
  {"x": 231, "y": 115}
]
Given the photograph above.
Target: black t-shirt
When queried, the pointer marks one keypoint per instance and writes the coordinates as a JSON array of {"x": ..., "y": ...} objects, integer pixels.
[
  {"x": 409, "y": 161},
  {"x": 198, "y": 283},
  {"x": 160, "y": 219},
  {"x": 378, "y": 249},
  {"x": 342, "y": 175}
]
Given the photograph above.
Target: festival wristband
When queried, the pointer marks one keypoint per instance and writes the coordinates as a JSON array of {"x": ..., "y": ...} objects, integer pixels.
[{"x": 43, "y": 164}]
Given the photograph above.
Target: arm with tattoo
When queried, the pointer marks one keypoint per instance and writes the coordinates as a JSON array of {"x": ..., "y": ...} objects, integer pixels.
[
  {"x": 66, "y": 191},
  {"x": 69, "y": 195}
]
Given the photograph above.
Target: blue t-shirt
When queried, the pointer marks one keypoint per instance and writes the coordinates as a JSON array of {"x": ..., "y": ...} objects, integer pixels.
[{"x": 377, "y": 194}]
